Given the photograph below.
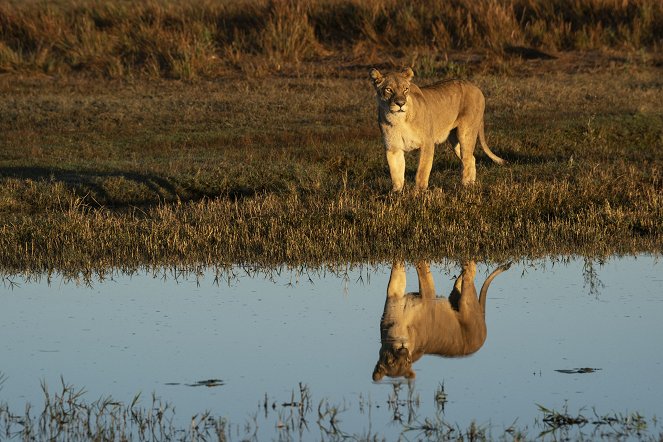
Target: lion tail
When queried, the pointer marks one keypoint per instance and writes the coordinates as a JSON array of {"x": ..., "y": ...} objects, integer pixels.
[
  {"x": 484, "y": 288},
  {"x": 484, "y": 146}
]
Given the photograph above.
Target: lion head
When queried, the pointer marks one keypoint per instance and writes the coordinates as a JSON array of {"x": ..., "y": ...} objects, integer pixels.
[
  {"x": 393, "y": 89},
  {"x": 393, "y": 362}
]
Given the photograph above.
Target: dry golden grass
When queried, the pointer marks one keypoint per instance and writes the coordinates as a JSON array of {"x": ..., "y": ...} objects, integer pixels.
[{"x": 188, "y": 40}]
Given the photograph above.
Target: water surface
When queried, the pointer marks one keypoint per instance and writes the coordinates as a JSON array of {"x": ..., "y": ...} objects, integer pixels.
[{"x": 262, "y": 336}]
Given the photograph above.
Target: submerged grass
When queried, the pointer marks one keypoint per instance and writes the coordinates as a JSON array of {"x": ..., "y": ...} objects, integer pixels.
[{"x": 67, "y": 415}]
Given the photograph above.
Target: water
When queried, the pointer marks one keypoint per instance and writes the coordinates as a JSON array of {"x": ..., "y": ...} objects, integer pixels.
[{"x": 264, "y": 335}]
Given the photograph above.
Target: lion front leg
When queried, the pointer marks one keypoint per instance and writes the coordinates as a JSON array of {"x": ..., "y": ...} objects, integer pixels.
[
  {"x": 396, "y": 161},
  {"x": 396, "y": 287},
  {"x": 425, "y": 165}
]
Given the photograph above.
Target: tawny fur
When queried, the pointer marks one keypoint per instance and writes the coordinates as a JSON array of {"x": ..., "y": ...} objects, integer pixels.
[
  {"x": 411, "y": 118},
  {"x": 414, "y": 324}
]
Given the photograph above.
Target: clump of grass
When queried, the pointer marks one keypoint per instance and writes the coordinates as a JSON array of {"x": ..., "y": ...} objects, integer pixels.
[
  {"x": 66, "y": 415},
  {"x": 560, "y": 423},
  {"x": 288, "y": 35},
  {"x": 441, "y": 397}
]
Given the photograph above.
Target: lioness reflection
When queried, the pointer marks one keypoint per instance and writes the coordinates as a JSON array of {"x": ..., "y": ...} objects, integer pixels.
[{"x": 414, "y": 324}]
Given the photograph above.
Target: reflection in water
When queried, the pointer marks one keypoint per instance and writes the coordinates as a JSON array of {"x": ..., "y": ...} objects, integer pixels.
[
  {"x": 414, "y": 324},
  {"x": 132, "y": 333},
  {"x": 591, "y": 276}
]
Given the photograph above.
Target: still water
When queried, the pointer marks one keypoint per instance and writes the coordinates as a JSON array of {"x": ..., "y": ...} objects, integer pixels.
[{"x": 263, "y": 336}]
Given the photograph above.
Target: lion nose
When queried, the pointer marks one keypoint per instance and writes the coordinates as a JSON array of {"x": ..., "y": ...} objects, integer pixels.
[{"x": 400, "y": 102}]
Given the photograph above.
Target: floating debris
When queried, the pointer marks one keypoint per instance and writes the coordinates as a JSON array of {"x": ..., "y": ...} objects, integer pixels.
[
  {"x": 579, "y": 370},
  {"x": 206, "y": 383}
]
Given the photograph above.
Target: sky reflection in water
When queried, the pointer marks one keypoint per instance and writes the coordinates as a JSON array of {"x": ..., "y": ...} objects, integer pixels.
[{"x": 259, "y": 336}]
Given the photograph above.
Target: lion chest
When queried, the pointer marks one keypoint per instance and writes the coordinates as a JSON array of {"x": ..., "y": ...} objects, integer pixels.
[
  {"x": 398, "y": 134},
  {"x": 428, "y": 326}
]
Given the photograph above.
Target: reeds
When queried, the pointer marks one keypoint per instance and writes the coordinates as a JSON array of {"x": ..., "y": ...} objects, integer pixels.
[
  {"x": 67, "y": 415},
  {"x": 187, "y": 40}
]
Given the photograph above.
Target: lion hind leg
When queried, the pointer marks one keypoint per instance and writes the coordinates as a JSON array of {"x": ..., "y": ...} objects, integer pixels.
[
  {"x": 469, "y": 306},
  {"x": 455, "y": 143},
  {"x": 468, "y": 139},
  {"x": 468, "y": 171}
]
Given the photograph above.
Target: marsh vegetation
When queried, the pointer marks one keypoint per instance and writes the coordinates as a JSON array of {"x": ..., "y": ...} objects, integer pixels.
[
  {"x": 225, "y": 136},
  {"x": 67, "y": 414}
]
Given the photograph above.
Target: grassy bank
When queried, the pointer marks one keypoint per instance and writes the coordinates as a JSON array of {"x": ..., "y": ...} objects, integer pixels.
[
  {"x": 291, "y": 170},
  {"x": 186, "y": 40},
  {"x": 160, "y": 133}
]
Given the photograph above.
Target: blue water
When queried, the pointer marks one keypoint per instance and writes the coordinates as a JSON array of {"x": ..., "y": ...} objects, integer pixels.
[{"x": 263, "y": 334}]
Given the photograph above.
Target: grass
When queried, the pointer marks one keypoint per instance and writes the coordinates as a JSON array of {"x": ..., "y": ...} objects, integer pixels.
[
  {"x": 615, "y": 425},
  {"x": 99, "y": 175},
  {"x": 67, "y": 415},
  {"x": 115, "y": 163},
  {"x": 186, "y": 40}
]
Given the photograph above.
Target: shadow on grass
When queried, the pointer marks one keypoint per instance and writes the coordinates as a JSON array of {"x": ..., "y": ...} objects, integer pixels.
[
  {"x": 155, "y": 189},
  {"x": 518, "y": 158},
  {"x": 450, "y": 162}
]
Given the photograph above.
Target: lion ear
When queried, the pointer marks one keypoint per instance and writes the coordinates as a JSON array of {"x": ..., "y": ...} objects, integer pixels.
[
  {"x": 376, "y": 76},
  {"x": 408, "y": 73}
]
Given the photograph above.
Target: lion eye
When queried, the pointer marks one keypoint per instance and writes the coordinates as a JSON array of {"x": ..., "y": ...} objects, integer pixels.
[
  {"x": 388, "y": 90},
  {"x": 407, "y": 89}
]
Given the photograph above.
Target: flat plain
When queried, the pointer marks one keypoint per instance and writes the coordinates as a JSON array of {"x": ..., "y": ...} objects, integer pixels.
[{"x": 274, "y": 156}]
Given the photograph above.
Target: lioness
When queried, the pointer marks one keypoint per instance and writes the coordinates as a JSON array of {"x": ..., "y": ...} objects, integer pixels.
[
  {"x": 420, "y": 118},
  {"x": 415, "y": 324}
]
